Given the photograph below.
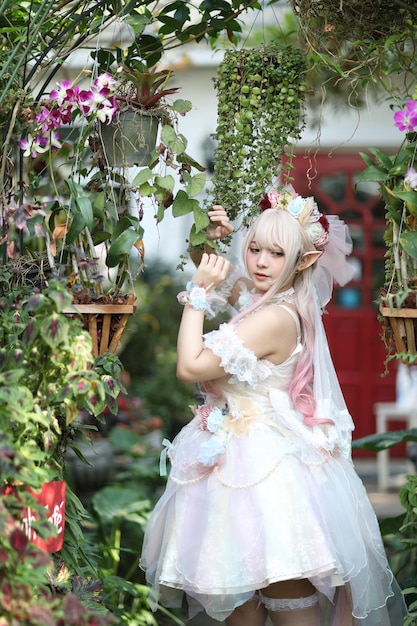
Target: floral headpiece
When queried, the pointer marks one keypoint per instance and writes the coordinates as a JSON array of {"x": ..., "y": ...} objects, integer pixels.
[{"x": 305, "y": 210}]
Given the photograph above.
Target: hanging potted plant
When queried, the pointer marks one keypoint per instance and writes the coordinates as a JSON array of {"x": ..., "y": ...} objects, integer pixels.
[
  {"x": 86, "y": 210},
  {"x": 396, "y": 176},
  {"x": 260, "y": 114},
  {"x": 91, "y": 234},
  {"x": 132, "y": 135}
]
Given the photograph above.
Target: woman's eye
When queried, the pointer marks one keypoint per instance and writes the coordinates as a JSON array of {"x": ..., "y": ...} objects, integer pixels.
[
  {"x": 275, "y": 253},
  {"x": 254, "y": 250}
]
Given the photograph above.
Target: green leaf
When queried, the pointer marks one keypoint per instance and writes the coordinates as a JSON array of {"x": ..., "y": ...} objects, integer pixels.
[
  {"x": 77, "y": 225},
  {"x": 121, "y": 246},
  {"x": 383, "y": 441},
  {"x": 196, "y": 239},
  {"x": 408, "y": 241},
  {"x": 111, "y": 503},
  {"x": 166, "y": 182},
  {"x": 146, "y": 190},
  {"x": 183, "y": 204},
  {"x": 195, "y": 184},
  {"x": 201, "y": 219},
  {"x": 54, "y": 330},
  {"x": 372, "y": 174},
  {"x": 82, "y": 202},
  {"x": 126, "y": 222},
  {"x": 169, "y": 137},
  {"x": 410, "y": 197},
  {"x": 382, "y": 158},
  {"x": 11, "y": 377},
  {"x": 368, "y": 160},
  {"x": 182, "y": 106},
  {"x": 142, "y": 177}
]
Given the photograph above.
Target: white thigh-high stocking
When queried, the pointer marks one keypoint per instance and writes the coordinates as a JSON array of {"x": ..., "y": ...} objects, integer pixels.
[{"x": 293, "y": 611}]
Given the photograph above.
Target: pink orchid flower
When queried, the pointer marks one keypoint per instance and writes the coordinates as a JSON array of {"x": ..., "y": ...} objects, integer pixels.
[{"x": 407, "y": 119}]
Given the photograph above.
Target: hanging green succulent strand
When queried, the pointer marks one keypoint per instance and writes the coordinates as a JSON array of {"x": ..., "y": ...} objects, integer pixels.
[{"x": 260, "y": 115}]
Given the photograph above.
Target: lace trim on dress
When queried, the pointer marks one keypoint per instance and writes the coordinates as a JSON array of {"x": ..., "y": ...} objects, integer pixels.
[
  {"x": 235, "y": 358},
  {"x": 288, "y": 604}
]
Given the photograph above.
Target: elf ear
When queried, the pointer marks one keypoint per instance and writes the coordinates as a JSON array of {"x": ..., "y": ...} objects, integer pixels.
[{"x": 308, "y": 259}]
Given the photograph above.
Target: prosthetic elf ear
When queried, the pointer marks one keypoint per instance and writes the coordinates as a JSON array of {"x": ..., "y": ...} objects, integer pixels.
[{"x": 308, "y": 259}]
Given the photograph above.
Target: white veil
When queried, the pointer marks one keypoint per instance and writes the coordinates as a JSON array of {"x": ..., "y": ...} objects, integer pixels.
[{"x": 332, "y": 267}]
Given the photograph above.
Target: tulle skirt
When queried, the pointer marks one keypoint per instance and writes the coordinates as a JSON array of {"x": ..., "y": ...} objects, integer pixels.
[{"x": 264, "y": 514}]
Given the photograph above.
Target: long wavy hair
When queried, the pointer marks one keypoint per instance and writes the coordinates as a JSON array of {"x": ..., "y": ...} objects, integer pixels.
[{"x": 276, "y": 227}]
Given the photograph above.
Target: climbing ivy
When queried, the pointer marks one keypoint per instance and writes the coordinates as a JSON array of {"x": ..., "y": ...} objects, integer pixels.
[{"x": 260, "y": 115}]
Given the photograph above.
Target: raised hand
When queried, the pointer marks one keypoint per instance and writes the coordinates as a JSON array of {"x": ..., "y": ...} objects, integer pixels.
[
  {"x": 220, "y": 225},
  {"x": 211, "y": 271}
]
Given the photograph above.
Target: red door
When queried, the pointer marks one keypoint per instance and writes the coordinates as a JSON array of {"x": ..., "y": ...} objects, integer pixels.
[{"x": 352, "y": 326}]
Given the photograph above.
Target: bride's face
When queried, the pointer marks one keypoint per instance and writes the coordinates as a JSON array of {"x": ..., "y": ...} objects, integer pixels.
[{"x": 264, "y": 265}]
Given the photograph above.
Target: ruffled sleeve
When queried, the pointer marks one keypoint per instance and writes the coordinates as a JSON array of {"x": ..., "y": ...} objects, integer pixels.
[{"x": 236, "y": 359}]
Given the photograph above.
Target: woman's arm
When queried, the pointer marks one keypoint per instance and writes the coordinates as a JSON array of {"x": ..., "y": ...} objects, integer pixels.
[
  {"x": 269, "y": 333},
  {"x": 194, "y": 363}
]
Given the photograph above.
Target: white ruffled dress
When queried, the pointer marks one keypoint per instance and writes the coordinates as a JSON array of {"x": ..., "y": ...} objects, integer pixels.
[{"x": 255, "y": 496}]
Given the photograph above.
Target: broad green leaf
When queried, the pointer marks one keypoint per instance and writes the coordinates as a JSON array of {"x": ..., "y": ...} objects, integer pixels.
[
  {"x": 408, "y": 241},
  {"x": 54, "y": 330},
  {"x": 182, "y": 106},
  {"x": 82, "y": 202},
  {"x": 183, "y": 204},
  {"x": 121, "y": 246},
  {"x": 383, "y": 441},
  {"x": 99, "y": 204},
  {"x": 126, "y": 222},
  {"x": 166, "y": 182},
  {"x": 11, "y": 377},
  {"x": 77, "y": 225},
  {"x": 410, "y": 198},
  {"x": 201, "y": 219},
  {"x": 142, "y": 177},
  {"x": 197, "y": 239},
  {"x": 169, "y": 137},
  {"x": 111, "y": 503},
  {"x": 196, "y": 184},
  {"x": 372, "y": 173},
  {"x": 146, "y": 190}
]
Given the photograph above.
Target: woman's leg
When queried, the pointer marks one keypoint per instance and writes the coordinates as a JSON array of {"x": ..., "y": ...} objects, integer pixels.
[
  {"x": 292, "y": 603},
  {"x": 252, "y": 613}
]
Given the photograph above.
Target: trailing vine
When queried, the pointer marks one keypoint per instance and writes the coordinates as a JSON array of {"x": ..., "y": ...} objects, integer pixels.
[{"x": 260, "y": 114}]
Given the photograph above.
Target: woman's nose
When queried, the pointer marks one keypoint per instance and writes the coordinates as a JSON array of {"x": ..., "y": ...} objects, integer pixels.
[{"x": 262, "y": 259}]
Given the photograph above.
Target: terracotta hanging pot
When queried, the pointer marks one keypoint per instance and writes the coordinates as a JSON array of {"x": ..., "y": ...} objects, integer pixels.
[{"x": 130, "y": 138}]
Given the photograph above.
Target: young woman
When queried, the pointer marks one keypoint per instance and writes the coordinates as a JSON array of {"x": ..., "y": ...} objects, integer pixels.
[{"x": 263, "y": 514}]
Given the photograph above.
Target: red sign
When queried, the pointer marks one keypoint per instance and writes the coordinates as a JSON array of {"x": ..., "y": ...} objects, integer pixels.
[{"x": 52, "y": 497}]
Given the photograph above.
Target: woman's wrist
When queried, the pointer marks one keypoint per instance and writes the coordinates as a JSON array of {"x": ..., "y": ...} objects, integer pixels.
[{"x": 199, "y": 297}]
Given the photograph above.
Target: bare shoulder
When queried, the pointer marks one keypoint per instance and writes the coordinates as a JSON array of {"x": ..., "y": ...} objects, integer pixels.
[{"x": 270, "y": 332}]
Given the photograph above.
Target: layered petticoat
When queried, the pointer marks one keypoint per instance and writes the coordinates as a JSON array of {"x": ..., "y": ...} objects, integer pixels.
[{"x": 255, "y": 497}]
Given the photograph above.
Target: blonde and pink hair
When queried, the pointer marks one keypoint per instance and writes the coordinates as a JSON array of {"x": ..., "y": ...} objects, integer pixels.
[{"x": 277, "y": 228}]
